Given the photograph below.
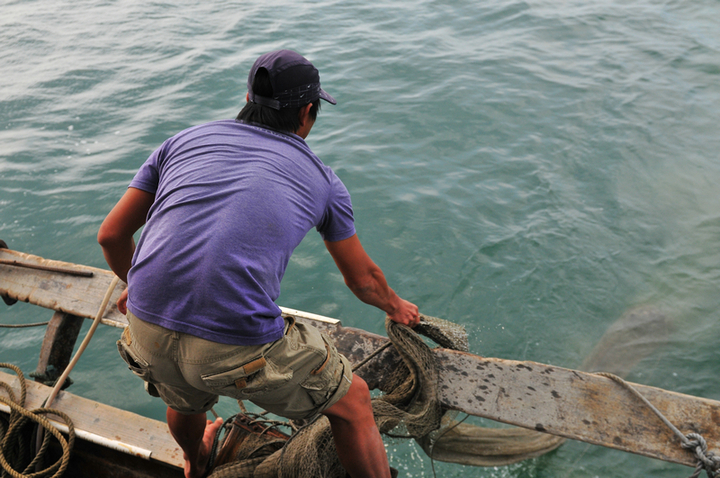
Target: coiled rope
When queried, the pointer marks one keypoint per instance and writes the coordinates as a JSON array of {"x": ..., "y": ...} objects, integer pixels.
[
  {"x": 14, "y": 453},
  {"x": 693, "y": 442}
]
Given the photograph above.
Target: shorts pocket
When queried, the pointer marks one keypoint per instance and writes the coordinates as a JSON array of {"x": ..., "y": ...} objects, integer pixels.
[
  {"x": 135, "y": 363},
  {"x": 251, "y": 378},
  {"x": 324, "y": 380}
]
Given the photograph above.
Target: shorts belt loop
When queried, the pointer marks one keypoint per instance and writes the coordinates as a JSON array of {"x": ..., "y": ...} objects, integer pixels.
[
  {"x": 126, "y": 336},
  {"x": 327, "y": 359},
  {"x": 291, "y": 323}
]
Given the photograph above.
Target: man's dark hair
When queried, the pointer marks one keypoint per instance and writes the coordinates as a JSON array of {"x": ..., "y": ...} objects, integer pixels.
[{"x": 284, "y": 119}]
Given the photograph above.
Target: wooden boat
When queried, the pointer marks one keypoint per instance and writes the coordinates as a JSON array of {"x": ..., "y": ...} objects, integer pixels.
[{"x": 558, "y": 401}]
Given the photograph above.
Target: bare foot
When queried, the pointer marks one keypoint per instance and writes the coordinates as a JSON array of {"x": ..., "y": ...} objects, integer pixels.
[{"x": 198, "y": 469}]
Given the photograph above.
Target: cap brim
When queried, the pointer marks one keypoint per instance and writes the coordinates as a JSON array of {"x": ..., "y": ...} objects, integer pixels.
[{"x": 327, "y": 97}]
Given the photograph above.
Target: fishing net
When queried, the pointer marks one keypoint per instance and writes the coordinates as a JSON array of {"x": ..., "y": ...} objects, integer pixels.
[{"x": 412, "y": 409}]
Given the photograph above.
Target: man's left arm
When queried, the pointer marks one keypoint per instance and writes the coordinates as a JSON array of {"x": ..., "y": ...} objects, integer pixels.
[{"x": 367, "y": 281}]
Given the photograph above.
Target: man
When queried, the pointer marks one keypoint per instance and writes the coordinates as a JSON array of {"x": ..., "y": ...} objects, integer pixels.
[{"x": 224, "y": 205}]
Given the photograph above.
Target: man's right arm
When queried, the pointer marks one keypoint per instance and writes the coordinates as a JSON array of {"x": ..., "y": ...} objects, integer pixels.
[
  {"x": 367, "y": 281},
  {"x": 116, "y": 232}
]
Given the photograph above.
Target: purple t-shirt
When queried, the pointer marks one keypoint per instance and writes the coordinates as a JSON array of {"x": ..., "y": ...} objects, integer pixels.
[{"x": 232, "y": 201}]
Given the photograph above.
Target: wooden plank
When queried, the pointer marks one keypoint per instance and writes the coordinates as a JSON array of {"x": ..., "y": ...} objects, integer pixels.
[
  {"x": 74, "y": 295},
  {"x": 91, "y": 417},
  {"x": 578, "y": 405},
  {"x": 57, "y": 347},
  {"x": 563, "y": 402}
]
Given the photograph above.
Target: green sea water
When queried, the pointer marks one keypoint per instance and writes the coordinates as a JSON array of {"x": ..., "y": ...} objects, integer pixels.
[{"x": 529, "y": 169}]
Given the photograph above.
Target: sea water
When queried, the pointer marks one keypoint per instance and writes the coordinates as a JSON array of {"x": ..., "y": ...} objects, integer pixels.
[{"x": 529, "y": 169}]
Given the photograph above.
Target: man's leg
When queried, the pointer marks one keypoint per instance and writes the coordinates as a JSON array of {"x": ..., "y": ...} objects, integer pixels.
[
  {"x": 357, "y": 438},
  {"x": 195, "y": 435}
]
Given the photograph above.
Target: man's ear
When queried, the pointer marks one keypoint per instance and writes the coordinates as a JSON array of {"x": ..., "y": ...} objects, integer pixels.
[{"x": 304, "y": 114}]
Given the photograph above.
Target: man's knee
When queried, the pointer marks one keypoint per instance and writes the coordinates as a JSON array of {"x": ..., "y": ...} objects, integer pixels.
[
  {"x": 359, "y": 391},
  {"x": 355, "y": 404}
]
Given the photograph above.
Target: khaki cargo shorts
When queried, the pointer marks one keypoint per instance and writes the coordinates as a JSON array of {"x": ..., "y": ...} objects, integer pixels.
[{"x": 295, "y": 377}]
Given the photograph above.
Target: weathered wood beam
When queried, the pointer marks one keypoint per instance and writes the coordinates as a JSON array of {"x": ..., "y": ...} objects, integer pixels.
[
  {"x": 569, "y": 403},
  {"x": 57, "y": 347},
  {"x": 72, "y": 294}
]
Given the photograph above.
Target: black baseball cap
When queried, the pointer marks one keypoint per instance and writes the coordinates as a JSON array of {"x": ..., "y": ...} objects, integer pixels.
[{"x": 295, "y": 81}]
